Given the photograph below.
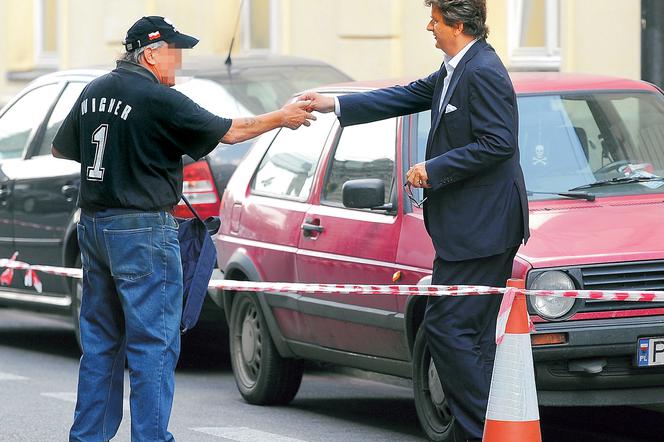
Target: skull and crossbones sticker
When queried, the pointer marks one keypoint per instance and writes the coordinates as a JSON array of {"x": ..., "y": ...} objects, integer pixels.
[{"x": 540, "y": 157}]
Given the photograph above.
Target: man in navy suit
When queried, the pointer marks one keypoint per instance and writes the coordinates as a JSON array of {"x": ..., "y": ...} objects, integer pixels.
[{"x": 476, "y": 209}]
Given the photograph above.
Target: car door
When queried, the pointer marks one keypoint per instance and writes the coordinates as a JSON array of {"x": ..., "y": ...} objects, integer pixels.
[
  {"x": 44, "y": 197},
  {"x": 265, "y": 219},
  {"x": 19, "y": 125},
  {"x": 339, "y": 245}
]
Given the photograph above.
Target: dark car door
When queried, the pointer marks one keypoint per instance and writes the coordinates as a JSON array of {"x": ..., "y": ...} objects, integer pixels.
[
  {"x": 44, "y": 197},
  {"x": 19, "y": 126}
]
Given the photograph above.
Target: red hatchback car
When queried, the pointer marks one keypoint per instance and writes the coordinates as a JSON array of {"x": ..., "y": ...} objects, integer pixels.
[{"x": 326, "y": 204}]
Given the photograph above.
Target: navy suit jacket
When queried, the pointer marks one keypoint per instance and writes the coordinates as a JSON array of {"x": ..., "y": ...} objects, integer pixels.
[{"x": 477, "y": 205}]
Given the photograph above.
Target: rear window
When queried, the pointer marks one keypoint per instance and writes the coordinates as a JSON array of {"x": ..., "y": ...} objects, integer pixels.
[{"x": 288, "y": 167}]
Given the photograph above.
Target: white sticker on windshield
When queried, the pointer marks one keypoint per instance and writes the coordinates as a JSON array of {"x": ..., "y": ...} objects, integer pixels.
[{"x": 540, "y": 157}]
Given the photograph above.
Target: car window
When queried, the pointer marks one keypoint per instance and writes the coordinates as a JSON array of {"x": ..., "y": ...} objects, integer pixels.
[
  {"x": 264, "y": 89},
  {"x": 363, "y": 151},
  {"x": 62, "y": 108},
  {"x": 288, "y": 167},
  {"x": 576, "y": 139},
  {"x": 24, "y": 116}
]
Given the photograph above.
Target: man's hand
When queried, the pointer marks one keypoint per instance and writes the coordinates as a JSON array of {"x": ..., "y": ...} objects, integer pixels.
[
  {"x": 297, "y": 114},
  {"x": 417, "y": 176},
  {"x": 320, "y": 103}
]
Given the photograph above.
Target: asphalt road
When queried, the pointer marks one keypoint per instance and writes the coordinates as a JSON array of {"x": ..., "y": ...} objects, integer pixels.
[{"x": 38, "y": 370}]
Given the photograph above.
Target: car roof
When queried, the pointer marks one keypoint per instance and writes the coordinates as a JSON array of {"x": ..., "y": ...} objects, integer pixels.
[
  {"x": 524, "y": 83},
  {"x": 215, "y": 65},
  {"x": 201, "y": 66}
]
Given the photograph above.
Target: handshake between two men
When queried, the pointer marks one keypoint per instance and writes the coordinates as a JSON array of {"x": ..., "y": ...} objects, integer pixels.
[{"x": 313, "y": 101}]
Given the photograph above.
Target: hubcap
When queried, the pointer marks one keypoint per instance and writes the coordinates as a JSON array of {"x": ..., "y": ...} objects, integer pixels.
[
  {"x": 79, "y": 298},
  {"x": 248, "y": 340},
  {"x": 436, "y": 389},
  {"x": 248, "y": 344}
]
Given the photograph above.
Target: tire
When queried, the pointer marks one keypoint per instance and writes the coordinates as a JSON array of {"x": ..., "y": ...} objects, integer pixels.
[
  {"x": 261, "y": 374},
  {"x": 432, "y": 410},
  {"x": 76, "y": 296}
]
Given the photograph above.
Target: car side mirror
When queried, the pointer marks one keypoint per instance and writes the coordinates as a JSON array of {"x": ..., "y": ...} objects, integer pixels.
[{"x": 367, "y": 193}]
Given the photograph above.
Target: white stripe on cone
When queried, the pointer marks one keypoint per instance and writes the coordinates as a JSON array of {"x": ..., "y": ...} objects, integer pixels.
[{"x": 513, "y": 396}]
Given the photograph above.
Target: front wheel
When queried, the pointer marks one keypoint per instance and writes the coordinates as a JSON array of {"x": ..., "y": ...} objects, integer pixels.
[
  {"x": 432, "y": 410},
  {"x": 261, "y": 374}
]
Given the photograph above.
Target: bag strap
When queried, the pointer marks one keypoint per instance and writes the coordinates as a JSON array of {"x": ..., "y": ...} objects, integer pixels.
[{"x": 186, "y": 201}]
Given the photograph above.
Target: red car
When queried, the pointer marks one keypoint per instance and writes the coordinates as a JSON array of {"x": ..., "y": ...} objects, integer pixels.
[{"x": 326, "y": 204}]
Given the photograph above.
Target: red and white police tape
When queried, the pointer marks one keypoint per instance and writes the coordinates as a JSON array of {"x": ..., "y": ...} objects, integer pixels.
[{"x": 358, "y": 289}]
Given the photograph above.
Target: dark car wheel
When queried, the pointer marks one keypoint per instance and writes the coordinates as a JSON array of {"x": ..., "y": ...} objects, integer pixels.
[
  {"x": 76, "y": 296},
  {"x": 261, "y": 374},
  {"x": 432, "y": 410}
]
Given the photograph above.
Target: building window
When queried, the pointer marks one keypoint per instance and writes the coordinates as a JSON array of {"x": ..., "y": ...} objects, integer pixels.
[
  {"x": 534, "y": 34},
  {"x": 45, "y": 30},
  {"x": 261, "y": 25}
]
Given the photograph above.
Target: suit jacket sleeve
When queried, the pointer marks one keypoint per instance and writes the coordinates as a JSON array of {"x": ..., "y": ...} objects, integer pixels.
[
  {"x": 492, "y": 107},
  {"x": 388, "y": 102}
]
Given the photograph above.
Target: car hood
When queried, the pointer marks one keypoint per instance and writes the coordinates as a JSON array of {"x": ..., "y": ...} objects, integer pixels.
[{"x": 607, "y": 230}]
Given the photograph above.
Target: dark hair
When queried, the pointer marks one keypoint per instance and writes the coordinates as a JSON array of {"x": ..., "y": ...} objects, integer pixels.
[{"x": 472, "y": 13}]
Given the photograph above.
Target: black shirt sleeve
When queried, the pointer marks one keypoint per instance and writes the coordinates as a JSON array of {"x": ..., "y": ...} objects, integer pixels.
[
  {"x": 196, "y": 131},
  {"x": 66, "y": 141}
]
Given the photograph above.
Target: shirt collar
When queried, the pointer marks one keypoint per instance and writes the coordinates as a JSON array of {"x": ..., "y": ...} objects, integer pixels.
[
  {"x": 137, "y": 68},
  {"x": 452, "y": 62}
]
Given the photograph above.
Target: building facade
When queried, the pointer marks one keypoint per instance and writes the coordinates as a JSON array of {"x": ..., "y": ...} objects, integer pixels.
[{"x": 368, "y": 39}]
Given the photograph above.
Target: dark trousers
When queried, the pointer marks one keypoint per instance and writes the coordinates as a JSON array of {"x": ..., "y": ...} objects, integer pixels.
[{"x": 461, "y": 335}]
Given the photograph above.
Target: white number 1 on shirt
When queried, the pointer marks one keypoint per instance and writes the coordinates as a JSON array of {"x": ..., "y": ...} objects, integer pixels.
[{"x": 96, "y": 172}]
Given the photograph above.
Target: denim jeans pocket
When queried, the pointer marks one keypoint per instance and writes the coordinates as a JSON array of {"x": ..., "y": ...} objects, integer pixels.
[
  {"x": 80, "y": 235},
  {"x": 129, "y": 252}
]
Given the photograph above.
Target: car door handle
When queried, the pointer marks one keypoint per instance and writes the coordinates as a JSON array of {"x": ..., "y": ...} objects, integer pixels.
[
  {"x": 68, "y": 191},
  {"x": 311, "y": 228},
  {"x": 5, "y": 192}
]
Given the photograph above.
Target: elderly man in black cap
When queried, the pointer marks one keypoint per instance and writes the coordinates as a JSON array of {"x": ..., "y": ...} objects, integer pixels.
[{"x": 129, "y": 132}]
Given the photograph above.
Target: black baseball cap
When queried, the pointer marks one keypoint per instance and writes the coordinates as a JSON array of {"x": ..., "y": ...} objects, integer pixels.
[{"x": 151, "y": 29}]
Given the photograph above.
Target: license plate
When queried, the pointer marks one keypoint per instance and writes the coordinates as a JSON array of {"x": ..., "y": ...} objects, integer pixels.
[{"x": 650, "y": 352}]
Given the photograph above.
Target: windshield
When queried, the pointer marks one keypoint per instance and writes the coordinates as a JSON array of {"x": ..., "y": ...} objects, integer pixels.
[
  {"x": 571, "y": 140},
  {"x": 258, "y": 90}
]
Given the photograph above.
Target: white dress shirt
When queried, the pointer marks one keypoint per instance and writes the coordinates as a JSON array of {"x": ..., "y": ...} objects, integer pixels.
[{"x": 450, "y": 64}]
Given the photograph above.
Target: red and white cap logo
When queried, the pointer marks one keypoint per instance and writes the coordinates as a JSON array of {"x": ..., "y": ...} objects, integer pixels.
[{"x": 154, "y": 35}]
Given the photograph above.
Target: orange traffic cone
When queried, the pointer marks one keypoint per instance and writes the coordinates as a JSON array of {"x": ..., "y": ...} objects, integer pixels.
[{"x": 512, "y": 414}]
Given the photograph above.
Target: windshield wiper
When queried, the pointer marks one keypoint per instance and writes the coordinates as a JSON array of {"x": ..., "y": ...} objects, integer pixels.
[
  {"x": 620, "y": 180},
  {"x": 576, "y": 195}
]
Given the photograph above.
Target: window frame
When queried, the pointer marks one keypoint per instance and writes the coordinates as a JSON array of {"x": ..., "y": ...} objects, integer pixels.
[
  {"x": 274, "y": 24},
  {"x": 43, "y": 58},
  {"x": 546, "y": 58}
]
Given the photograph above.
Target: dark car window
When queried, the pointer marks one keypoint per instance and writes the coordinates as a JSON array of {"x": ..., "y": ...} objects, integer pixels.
[
  {"x": 577, "y": 139},
  {"x": 62, "y": 108},
  {"x": 265, "y": 89},
  {"x": 287, "y": 169},
  {"x": 363, "y": 151},
  {"x": 22, "y": 118}
]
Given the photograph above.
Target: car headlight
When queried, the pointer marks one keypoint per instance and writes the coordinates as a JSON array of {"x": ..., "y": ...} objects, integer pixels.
[{"x": 552, "y": 307}]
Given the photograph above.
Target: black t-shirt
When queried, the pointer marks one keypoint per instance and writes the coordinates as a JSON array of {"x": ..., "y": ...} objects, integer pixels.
[{"x": 129, "y": 133}]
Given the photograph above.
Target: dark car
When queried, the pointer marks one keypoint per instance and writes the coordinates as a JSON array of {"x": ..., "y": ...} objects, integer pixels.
[
  {"x": 38, "y": 192},
  {"x": 326, "y": 204}
]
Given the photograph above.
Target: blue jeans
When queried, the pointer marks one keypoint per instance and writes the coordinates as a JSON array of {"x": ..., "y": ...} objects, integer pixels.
[{"x": 131, "y": 309}]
